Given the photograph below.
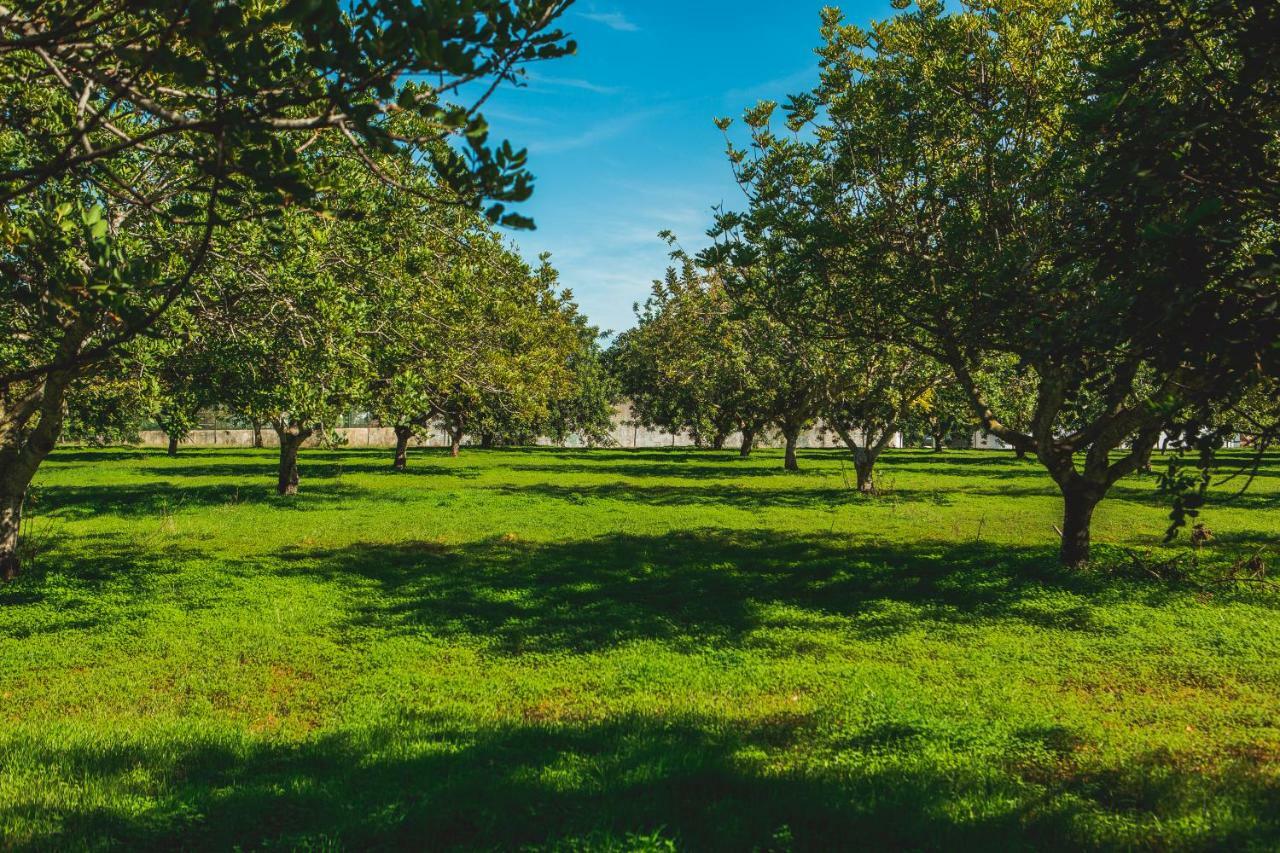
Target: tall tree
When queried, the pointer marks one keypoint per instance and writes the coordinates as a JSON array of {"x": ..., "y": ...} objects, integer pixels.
[
  {"x": 134, "y": 131},
  {"x": 989, "y": 177},
  {"x": 284, "y": 316}
]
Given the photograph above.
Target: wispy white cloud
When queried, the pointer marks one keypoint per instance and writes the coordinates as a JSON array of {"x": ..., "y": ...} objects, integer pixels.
[
  {"x": 776, "y": 89},
  {"x": 612, "y": 20},
  {"x": 599, "y": 132},
  {"x": 497, "y": 114},
  {"x": 572, "y": 83}
]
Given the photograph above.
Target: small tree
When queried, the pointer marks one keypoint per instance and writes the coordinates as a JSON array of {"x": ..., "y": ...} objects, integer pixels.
[{"x": 884, "y": 386}]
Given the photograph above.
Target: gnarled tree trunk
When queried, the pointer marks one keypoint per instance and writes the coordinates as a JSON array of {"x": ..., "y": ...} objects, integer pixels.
[
  {"x": 403, "y": 435},
  {"x": 1079, "y": 502},
  {"x": 938, "y": 439},
  {"x": 718, "y": 440},
  {"x": 257, "y": 435},
  {"x": 173, "y": 445},
  {"x": 792, "y": 435},
  {"x": 748, "y": 442},
  {"x": 10, "y": 526},
  {"x": 864, "y": 464},
  {"x": 291, "y": 439},
  {"x": 23, "y": 446},
  {"x": 455, "y": 440},
  {"x": 866, "y": 452}
]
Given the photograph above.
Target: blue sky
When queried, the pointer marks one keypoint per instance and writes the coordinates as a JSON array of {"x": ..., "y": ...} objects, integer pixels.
[{"x": 621, "y": 137}]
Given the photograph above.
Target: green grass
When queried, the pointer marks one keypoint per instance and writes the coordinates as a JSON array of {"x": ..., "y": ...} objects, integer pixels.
[{"x": 622, "y": 650}]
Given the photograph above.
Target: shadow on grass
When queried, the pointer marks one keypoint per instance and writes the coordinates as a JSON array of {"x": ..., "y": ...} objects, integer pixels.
[
  {"x": 693, "y": 469},
  {"x": 429, "y": 782},
  {"x": 158, "y": 497},
  {"x": 804, "y": 495},
  {"x": 703, "y": 586},
  {"x": 102, "y": 580}
]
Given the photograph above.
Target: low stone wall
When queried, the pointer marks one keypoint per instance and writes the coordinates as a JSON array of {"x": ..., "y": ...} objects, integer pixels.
[
  {"x": 626, "y": 433},
  {"x": 353, "y": 437},
  {"x": 623, "y": 435}
]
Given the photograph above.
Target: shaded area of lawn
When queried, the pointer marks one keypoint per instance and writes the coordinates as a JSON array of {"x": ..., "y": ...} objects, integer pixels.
[
  {"x": 379, "y": 665},
  {"x": 699, "y": 586},
  {"x": 435, "y": 783}
]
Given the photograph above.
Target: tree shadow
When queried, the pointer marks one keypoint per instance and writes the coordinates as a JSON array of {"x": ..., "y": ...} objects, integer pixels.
[
  {"x": 717, "y": 470},
  {"x": 1136, "y": 489},
  {"x": 94, "y": 455},
  {"x": 702, "y": 586},
  {"x": 802, "y": 496},
  {"x": 433, "y": 782},
  {"x": 105, "y": 578},
  {"x": 158, "y": 497}
]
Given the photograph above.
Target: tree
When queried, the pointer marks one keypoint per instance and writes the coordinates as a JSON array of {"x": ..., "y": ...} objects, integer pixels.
[
  {"x": 181, "y": 382},
  {"x": 690, "y": 363},
  {"x": 584, "y": 404},
  {"x": 518, "y": 352},
  {"x": 985, "y": 177},
  {"x": 884, "y": 385},
  {"x": 134, "y": 132},
  {"x": 285, "y": 315},
  {"x": 941, "y": 415}
]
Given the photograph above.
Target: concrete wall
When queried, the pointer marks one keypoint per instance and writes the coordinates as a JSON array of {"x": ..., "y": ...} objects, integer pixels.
[{"x": 625, "y": 434}]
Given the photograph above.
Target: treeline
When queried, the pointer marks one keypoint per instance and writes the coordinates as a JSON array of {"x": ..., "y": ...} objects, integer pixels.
[
  {"x": 1055, "y": 220},
  {"x": 415, "y": 317},
  {"x": 282, "y": 207},
  {"x": 705, "y": 360}
]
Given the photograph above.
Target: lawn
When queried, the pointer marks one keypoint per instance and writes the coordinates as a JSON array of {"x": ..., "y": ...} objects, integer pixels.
[{"x": 622, "y": 650}]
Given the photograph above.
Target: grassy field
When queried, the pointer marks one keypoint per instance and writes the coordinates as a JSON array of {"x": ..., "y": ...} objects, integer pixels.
[{"x": 626, "y": 650}]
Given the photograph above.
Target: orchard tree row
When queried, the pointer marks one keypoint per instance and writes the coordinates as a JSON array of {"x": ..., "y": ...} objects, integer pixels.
[
  {"x": 704, "y": 361},
  {"x": 417, "y": 318},
  {"x": 1058, "y": 221},
  {"x": 708, "y": 361},
  {"x": 282, "y": 206}
]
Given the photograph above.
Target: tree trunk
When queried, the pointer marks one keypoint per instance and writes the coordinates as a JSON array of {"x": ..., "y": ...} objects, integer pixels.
[
  {"x": 291, "y": 438},
  {"x": 1078, "y": 505},
  {"x": 173, "y": 446},
  {"x": 403, "y": 434},
  {"x": 717, "y": 441},
  {"x": 455, "y": 446},
  {"x": 864, "y": 464},
  {"x": 24, "y": 447},
  {"x": 748, "y": 441},
  {"x": 938, "y": 439},
  {"x": 1020, "y": 453},
  {"x": 789, "y": 461},
  {"x": 288, "y": 481},
  {"x": 486, "y": 441},
  {"x": 10, "y": 526},
  {"x": 257, "y": 435},
  {"x": 19, "y": 462}
]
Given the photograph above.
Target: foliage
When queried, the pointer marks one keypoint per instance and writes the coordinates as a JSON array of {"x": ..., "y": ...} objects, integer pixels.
[
  {"x": 584, "y": 407},
  {"x": 691, "y": 363},
  {"x": 989, "y": 181},
  {"x": 107, "y": 406},
  {"x": 136, "y": 135}
]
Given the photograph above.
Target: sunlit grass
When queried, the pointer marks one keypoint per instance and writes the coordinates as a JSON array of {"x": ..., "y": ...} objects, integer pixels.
[{"x": 621, "y": 650}]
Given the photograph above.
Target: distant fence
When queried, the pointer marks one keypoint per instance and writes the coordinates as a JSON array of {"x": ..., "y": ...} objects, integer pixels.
[
  {"x": 359, "y": 430},
  {"x": 623, "y": 435}
]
